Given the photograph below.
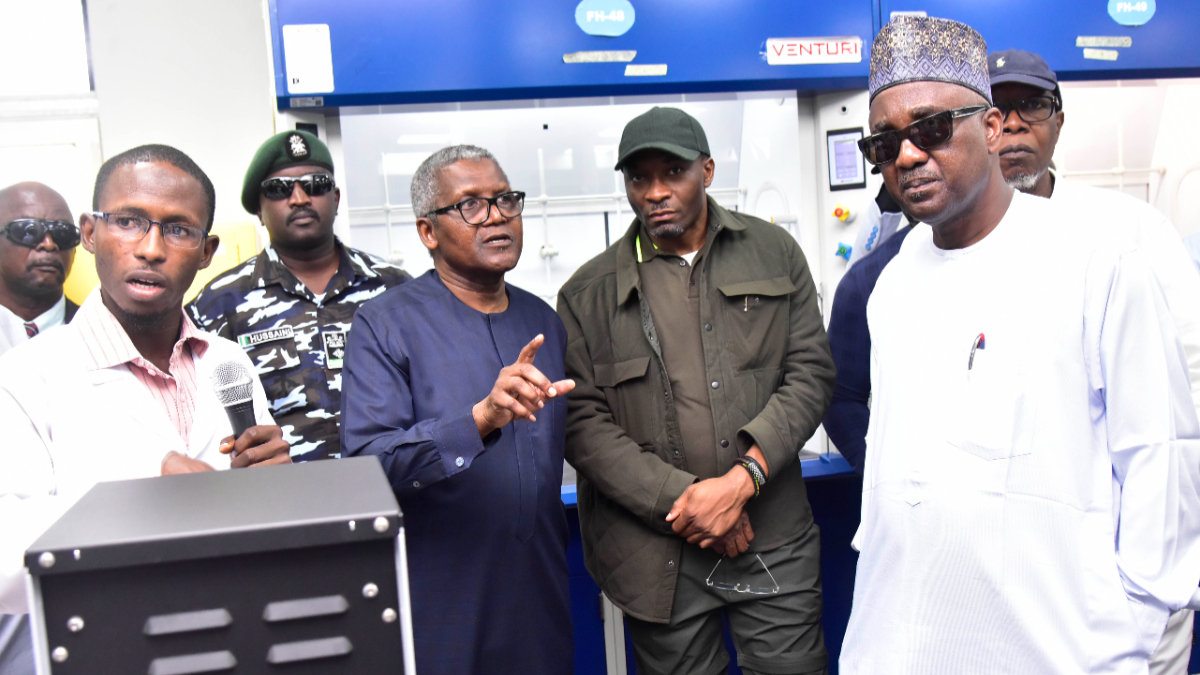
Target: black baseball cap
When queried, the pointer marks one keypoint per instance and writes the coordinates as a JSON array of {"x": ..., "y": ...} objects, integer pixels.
[
  {"x": 1014, "y": 65},
  {"x": 667, "y": 129}
]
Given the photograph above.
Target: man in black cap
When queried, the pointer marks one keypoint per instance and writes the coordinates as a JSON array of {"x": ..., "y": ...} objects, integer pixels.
[
  {"x": 701, "y": 368},
  {"x": 1026, "y": 90},
  {"x": 36, "y": 253},
  {"x": 291, "y": 306}
]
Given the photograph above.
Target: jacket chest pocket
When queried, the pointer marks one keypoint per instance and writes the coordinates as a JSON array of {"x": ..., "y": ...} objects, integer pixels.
[
  {"x": 625, "y": 384},
  {"x": 997, "y": 410},
  {"x": 756, "y": 321},
  {"x": 271, "y": 357}
]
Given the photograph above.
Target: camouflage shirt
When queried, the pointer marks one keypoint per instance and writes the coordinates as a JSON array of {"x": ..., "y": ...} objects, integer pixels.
[{"x": 295, "y": 339}]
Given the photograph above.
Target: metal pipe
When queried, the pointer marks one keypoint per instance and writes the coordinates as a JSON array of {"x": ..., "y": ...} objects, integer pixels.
[
  {"x": 617, "y": 193},
  {"x": 1116, "y": 171},
  {"x": 547, "y": 251},
  {"x": 1178, "y": 183},
  {"x": 1121, "y": 153},
  {"x": 387, "y": 200},
  {"x": 618, "y": 197}
]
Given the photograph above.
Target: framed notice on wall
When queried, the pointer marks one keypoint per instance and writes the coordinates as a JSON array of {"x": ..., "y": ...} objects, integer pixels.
[{"x": 847, "y": 168}]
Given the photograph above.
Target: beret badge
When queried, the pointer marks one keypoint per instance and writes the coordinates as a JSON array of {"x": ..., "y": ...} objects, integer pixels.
[{"x": 297, "y": 147}]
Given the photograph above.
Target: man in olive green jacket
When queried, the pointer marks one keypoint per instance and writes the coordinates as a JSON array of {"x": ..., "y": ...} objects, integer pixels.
[{"x": 701, "y": 368}]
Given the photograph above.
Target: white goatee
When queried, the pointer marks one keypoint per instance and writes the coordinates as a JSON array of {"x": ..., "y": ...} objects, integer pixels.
[{"x": 1024, "y": 181}]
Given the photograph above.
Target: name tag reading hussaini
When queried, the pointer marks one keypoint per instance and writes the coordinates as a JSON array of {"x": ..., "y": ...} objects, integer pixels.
[{"x": 248, "y": 340}]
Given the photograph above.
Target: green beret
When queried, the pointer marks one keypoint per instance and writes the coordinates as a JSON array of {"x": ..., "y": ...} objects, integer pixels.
[{"x": 290, "y": 148}]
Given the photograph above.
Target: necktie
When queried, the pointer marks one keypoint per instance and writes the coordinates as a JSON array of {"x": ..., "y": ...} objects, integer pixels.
[{"x": 31, "y": 329}]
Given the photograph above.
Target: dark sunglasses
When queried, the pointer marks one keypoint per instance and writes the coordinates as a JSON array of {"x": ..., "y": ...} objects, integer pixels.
[
  {"x": 313, "y": 184},
  {"x": 1032, "y": 110},
  {"x": 926, "y": 133},
  {"x": 29, "y": 232}
]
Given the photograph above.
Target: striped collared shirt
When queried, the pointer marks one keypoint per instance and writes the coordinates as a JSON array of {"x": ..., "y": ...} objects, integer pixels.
[{"x": 109, "y": 346}]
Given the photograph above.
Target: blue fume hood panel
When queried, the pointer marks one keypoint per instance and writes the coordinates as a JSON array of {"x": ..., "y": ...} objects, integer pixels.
[
  {"x": 1166, "y": 46},
  {"x": 415, "y": 51}
]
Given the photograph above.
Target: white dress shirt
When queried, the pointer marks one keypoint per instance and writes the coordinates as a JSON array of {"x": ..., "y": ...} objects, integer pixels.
[
  {"x": 12, "y": 327},
  {"x": 68, "y": 425},
  {"x": 1031, "y": 502},
  {"x": 14, "y": 631}
]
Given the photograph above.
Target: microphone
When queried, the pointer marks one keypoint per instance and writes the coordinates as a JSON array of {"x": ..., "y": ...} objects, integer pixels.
[{"x": 235, "y": 390}]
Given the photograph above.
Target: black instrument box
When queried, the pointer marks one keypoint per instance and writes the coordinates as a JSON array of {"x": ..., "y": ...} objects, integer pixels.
[{"x": 288, "y": 569}]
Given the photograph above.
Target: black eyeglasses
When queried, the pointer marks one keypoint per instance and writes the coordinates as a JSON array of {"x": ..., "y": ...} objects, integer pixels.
[
  {"x": 475, "y": 210},
  {"x": 281, "y": 187},
  {"x": 1033, "y": 110},
  {"x": 926, "y": 133},
  {"x": 29, "y": 232},
  {"x": 132, "y": 228}
]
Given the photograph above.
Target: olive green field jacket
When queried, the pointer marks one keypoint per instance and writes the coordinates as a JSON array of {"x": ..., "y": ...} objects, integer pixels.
[{"x": 768, "y": 361}]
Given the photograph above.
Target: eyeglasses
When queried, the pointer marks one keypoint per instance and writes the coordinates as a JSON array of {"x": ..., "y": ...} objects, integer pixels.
[
  {"x": 29, "y": 232},
  {"x": 1033, "y": 110},
  {"x": 747, "y": 588},
  {"x": 129, "y": 227},
  {"x": 926, "y": 133},
  {"x": 475, "y": 210},
  {"x": 281, "y": 187}
]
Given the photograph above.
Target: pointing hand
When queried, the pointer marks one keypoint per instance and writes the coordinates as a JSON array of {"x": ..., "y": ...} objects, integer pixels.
[{"x": 520, "y": 391}]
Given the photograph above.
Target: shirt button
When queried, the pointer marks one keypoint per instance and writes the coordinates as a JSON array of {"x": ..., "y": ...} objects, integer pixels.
[
  {"x": 724, "y": 443},
  {"x": 667, "y": 394},
  {"x": 459, "y": 462},
  {"x": 676, "y": 451},
  {"x": 683, "y": 263},
  {"x": 716, "y": 385},
  {"x": 670, "y": 563},
  {"x": 416, "y": 483},
  {"x": 708, "y": 327}
]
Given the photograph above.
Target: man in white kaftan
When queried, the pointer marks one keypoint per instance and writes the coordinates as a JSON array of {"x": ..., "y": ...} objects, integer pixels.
[
  {"x": 1031, "y": 501},
  {"x": 1026, "y": 90}
]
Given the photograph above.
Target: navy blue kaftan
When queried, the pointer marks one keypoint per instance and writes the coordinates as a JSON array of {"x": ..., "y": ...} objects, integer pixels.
[{"x": 486, "y": 528}]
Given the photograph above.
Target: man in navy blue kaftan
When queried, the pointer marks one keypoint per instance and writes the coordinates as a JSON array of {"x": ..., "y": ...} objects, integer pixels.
[{"x": 455, "y": 381}]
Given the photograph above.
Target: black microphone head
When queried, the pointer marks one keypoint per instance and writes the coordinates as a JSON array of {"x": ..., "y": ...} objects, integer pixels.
[{"x": 233, "y": 383}]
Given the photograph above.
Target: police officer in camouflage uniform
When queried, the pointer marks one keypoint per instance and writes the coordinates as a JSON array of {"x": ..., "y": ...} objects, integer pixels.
[{"x": 291, "y": 306}]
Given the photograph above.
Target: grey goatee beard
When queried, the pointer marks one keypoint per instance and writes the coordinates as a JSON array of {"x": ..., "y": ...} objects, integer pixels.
[{"x": 1025, "y": 181}]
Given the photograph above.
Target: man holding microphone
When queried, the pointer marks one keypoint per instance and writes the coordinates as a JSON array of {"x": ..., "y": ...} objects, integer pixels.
[{"x": 124, "y": 391}]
